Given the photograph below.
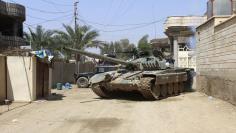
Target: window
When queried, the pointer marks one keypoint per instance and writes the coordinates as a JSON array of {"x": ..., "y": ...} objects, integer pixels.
[{"x": 220, "y": 7}]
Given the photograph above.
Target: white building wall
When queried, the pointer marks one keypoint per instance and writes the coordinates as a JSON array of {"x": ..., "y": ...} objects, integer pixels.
[
  {"x": 21, "y": 78},
  {"x": 186, "y": 60}
]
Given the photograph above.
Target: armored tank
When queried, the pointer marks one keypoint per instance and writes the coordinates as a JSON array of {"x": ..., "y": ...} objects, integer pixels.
[{"x": 154, "y": 77}]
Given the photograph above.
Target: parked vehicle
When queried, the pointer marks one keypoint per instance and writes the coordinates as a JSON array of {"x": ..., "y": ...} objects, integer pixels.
[{"x": 82, "y": 79}]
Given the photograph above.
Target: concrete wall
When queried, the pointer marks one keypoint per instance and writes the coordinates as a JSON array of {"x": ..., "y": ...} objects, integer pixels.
[
  {"x": 216, "y": 58},
  {"x": 2, "y": 78},
  {"x": 21, "y": 78}
]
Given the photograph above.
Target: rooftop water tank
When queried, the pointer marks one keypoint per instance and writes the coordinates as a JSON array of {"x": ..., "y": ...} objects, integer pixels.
[{"x": 220, "y": 7}]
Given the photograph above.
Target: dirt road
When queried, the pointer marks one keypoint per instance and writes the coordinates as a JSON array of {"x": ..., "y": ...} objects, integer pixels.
[{"x": 80, "y": 111}]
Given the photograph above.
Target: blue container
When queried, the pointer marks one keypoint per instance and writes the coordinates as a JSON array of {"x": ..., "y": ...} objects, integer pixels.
[{"x": 59, "y": 86}]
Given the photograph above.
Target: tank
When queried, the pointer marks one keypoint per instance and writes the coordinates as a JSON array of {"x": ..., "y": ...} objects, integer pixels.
[{"x": 154, "y": 77}]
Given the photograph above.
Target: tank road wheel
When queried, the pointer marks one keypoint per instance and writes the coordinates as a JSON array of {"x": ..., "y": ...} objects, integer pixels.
[
  {"x": 181, "y": 87},
  {"x": 176, "y": 89},
  {"x": 147, "y": 87},
  {"x": 170, "y": 89},
  {"x": 157, "y": 91},
  {"x": 100, "y": 91},
  {"x": 164, "y": 91}
]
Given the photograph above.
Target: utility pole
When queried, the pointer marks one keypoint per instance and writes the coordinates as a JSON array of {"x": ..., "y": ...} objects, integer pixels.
[
  {"x": 76, "y": 13},
  {"x": 75, "y": 28}
]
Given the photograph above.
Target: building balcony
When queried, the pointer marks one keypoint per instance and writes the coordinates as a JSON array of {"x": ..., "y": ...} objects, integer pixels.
[
  {"x": 11, "y": 41},
  {"x": 13, "y": 10}
]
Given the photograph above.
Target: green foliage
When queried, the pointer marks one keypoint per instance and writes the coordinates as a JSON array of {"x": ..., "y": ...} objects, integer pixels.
[
  {"x": 122, "y": 49},
  {"x": 40, "y": 38},
  {"x": 80, "y": 38},
  {"x": 144, "y": 45}
]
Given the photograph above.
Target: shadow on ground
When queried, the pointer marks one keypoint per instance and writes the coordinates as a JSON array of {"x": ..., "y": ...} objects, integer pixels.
[
  {"x": 55, "y": 97},
  {"x": 8, "y": 107},
  {"x": 126, "y": 96}
]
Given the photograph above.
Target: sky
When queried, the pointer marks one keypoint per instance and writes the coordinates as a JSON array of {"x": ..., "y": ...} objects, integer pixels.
[{"x": 114, "y": 19}]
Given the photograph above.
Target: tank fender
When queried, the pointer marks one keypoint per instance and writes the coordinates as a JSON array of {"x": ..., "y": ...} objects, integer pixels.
[{"x": 101, "y": 77}]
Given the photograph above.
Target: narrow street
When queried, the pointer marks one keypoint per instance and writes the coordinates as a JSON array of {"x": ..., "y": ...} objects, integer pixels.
[{"x": 80, "y": 111}]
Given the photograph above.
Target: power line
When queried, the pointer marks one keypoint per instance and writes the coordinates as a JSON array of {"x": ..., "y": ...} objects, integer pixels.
[
  {"x": 115, "y": 13},
  {"x": 131, "y": 28},
  {"x": 55, "y": 19},
  {"x": 42, "y": 11},
  {"x": 153, "y": 17},
  {"x": 53, "y": 3},
  {"x": 29, "y": 25},
  {"x": 108, "y": 11},
  {"x": 127, "y": 9},
  {"x": 48, "y": 12},
  {"x": 134, "y": 24}
]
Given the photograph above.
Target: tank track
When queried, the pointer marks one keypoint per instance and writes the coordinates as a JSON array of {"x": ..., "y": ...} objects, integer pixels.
[
  {"x": 152, "y": 91},
  {"x": 100, "y": 91},
  {"x": 145, "y": 88}
]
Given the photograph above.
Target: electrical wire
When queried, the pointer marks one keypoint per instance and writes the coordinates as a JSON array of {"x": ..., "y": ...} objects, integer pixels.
[
  {"x": 134, "y": 24},
  {"x": 127, "y": 9},
  {"x": 55, "y": 19},
  {"x": 44, "y": 11},
  {"x": 153, "y": 17},
  {"x": 108, "y": 11},
  {"x": 113, "y": 16},
  {"x": 53, "y": 3},
  {"x": 131, "y": 28}
]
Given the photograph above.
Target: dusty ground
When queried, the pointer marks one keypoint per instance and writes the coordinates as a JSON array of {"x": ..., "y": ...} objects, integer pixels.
[{"x": 80, "y": 111}]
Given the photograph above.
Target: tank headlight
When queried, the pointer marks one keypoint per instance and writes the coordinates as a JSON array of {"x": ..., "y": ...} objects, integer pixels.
[{"x": 167, "y": 64}]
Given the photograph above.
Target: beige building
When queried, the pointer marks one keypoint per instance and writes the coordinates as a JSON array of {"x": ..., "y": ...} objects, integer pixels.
[
  {"x": 216, "y": 51},
  {"x": 181, "y": 33}
]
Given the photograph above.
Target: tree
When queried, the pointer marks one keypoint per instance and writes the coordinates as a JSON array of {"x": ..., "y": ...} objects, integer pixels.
[
  {"x": 122, "y": 49},
  {"x": 40, "y": 38},
  {"x": 143, "y": 44},
  {"x": 80, "y": 38}
]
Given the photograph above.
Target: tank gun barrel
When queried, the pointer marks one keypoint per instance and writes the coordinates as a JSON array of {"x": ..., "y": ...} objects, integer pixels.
[{"x": 97, "y": 56}]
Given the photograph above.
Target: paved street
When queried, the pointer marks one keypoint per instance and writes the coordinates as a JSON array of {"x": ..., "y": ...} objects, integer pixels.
[{"x": 80, "y": 111}]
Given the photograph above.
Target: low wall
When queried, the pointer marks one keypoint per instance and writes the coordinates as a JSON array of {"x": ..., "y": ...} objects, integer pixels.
[
  {"x": 2, "y": 78},
  {"x": 218, "y": 87}
]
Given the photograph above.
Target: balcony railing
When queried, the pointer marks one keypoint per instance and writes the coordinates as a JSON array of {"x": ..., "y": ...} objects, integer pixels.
[
  {"x": 11, "y": 41},
  {"x": 11, "y": 9}
]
